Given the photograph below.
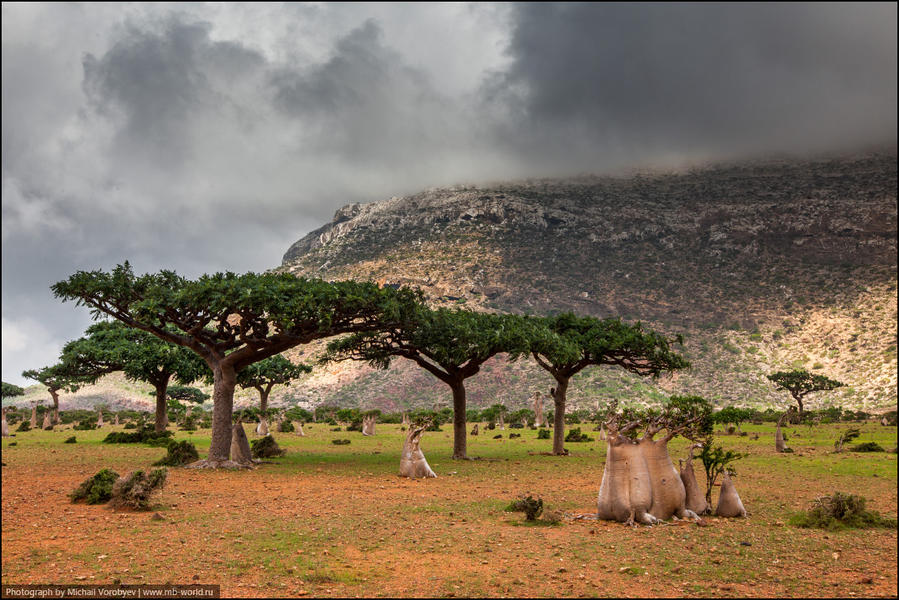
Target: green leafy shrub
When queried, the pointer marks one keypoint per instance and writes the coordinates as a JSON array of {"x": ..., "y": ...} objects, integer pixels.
[
  {"x": 178, "y": 453},
  {"x": 96, "y": 489},
  {"x": 574, "y": 435},
  {"x": 868, "y": 447},
  {"x": 145, "y": 435},
  {"x": 355, "y": 426},
  {"x": 286, "y": 427},
  {"x": 24, "y": 426},
  {"x": 841, "y": 511},
  {"x": 85, "y": 425},
  {"x": 340, "y": 442},
  {"x": 71, "y": 440},
  {"x": 130, "y": 425},
  {"x": 531, "y": 507},
  {"x": 543, "y": 434},
  {"x": 266, "y": 447},
  {"x": 134, "y": 490}
]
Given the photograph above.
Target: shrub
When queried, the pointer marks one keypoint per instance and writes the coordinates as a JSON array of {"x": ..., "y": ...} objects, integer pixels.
[
  {"x": 516, "y": 426},
  {"x": 868, "y": 447},
  {"x": 145, "y": 435},
  {"x": 70, "y": 440},
  {"x": 134, "y": 490},
  {"x": 266, "y": 447},
  {"x": 130, "y": 425},
  {"x": 178, "y": 453},
  {"x": 24, "y": 426},
  {"x": 85, "y": 425},
  {"x": 553, "y": 517},
  {"x": 491, "y": 425},
  {"x": 543, "y": 434},
  {"x": 514, "y": 435},
  {"x": 497, "y": 436},
  {"x": 841, "y": 511},
  {"x": 340, "y": 442},
  {"x": 96, "y": 489},
  {"x": 574, "y": 435},
  {"x": 355, "y": 426},
  {"x": 286, "y": 427},
  {"x": 530, "y": 506}
]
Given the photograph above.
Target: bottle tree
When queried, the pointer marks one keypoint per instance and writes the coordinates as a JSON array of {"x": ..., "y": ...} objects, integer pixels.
[
  {"x": 266, "y": 374},
  {"x": 10, "y": 390},
  {"x": 566, "y": 344},
  {"x": 232, "y": 321},
  {"x": 451, "y": 345},
  {"x": 800, "y": 383},
  {"x": 113, "y": 346}
]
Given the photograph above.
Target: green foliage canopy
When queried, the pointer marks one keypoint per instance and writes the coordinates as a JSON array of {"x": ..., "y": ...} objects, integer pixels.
[{"x": 10, "y": 390}]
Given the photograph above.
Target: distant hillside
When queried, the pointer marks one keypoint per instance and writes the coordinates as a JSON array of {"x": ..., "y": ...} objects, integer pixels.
[{"x": 762, "y": 266}]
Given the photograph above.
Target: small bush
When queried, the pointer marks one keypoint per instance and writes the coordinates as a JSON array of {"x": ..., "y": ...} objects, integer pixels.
[
  {"x": 336, "y": 429},
  {"x": 23, "y": 426},
  {"x": 553, "y": 517},
  {"x": 266, "y": 447},
  {"x": 286, "y": 427},
  {"x": 354, "y": 426},
  {"x": 134, "y": 490},
  {"x": 14, "y": 443},
  {"x": 514, "y": 435},
  {"x": 96, "y": 489},
  {"x": 145, "y": 435},
  {"x": 130, "y": 425},
  {"x": 516, "y": 426},
  {"x": 71, "y": 440},
  {"x": 85, "y": 425},
  {"x": 340, "y": 442},
  {"x": 543, "y": 434},
  {"x": 530, "y": 506},
  {"x": 179, "y": 453},
  {"x": 497, "y": 436},
  {"x": 574, "y": 435},
  {"x": 491, "y": 426},
  {"x": 868, "y": 447},
  {"x": 841, "y": 511}
]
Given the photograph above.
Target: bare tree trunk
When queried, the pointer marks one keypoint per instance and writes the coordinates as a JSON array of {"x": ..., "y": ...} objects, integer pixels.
[
  {"x": 368, "y": 425},
  {"x": 799, "y": 402},
  {"x": 729, "y": 503},
  {"x": 33, "y": 423},
  {"x": 405, "y": 420},
  {"x": 262, "y": 427},
  {"x": 162, "y": 412},
  {"x": 695, "y": 499},
  {"x": 502, "y": 422},
  {"x": 99, "y": 418},
  {"x": 55, "y": 395},
  {"x": 5, "y": 425},
  {"x": 48, "y": 421},
  {"x": 539, "y": 420},
  {"x": 559, "y": 394},
  {"x": 240, "y": 446},
  {"x": 625, "y": 494},
  {"x": 460, "y": 443},
  {"x": 223, "y": 405},
  {"x": 413, "y": 463},
  {"x": 669, "y": 496},
  {"x": 116, "y": 420},
  {"x": 300, "y": 431},
  {"x": 779, "y": 444}
]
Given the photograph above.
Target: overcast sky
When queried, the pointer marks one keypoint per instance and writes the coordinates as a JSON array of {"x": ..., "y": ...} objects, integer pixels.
[{"x": 205, "y": 138}]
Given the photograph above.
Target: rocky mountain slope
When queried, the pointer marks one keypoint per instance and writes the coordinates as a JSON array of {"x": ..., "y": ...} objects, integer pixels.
[{"x": 761, "y": 265}]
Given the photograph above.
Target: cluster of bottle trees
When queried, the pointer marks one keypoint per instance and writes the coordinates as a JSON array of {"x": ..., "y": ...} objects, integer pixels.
[{"x": 230, "y": 329}]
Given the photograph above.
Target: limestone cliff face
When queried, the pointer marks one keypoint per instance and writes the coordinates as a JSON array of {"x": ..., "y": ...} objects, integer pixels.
[{"x": 762, "y": 265}]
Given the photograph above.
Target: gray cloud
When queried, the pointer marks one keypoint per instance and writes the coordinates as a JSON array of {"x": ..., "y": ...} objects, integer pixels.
[
  {"x": 206, "y": 137},
  {"x": 597, "y": 83}
]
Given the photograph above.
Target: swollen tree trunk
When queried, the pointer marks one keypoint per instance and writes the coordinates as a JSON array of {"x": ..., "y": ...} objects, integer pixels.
[
  {"x": 799, "y": 402},
  {"x": 116, "y": 420},
  {"x": 668, "y": 493},
  {"x": 48, "y": 421},
  {"x": 729, "y": 503},
  {"x": 413, "y": 463},
  {"x": 33, "y": 423},
  {"x": 368, "y": 425},
  {"x": 460, "y": 443},
  {"x": 55, "y": 395},
  {"x": 405, "y": 420},
  {"x": 779, "y": 443},
  {"x": 625, "y": 494},
  {"x": 558, "y": 394},
  {"x": 695, "y": 499},
  {"x": 240, "y": 446},
  {"x": 262, "y": 427},
  {"x": 162, "y": 413},
  {"x": 99, "y": 418},
  {"x": 539, "y": 420},
  {"x": 300, "y": 431},
  {"x": 5, "y": 425}
]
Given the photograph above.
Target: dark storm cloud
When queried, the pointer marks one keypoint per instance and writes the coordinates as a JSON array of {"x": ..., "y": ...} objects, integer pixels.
[{"x": 601, "y": 82}]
